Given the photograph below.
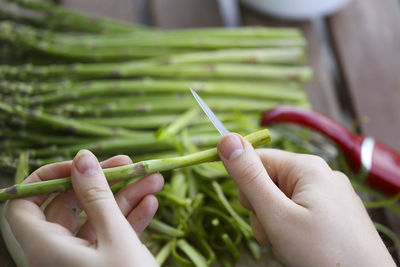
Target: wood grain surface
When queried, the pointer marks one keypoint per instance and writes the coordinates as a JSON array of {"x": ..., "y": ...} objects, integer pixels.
[
  {"x": 321, "y": 90},
  {"x": 126, "y": 10},
  {"x": 366, "y": 37},
  {"x": 184, "y": 13}
]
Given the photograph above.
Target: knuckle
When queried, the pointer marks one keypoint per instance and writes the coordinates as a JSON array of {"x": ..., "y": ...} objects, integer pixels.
[
  {"x": 252, "y": 171},
  {"x": 310, "y": 163},
  {"x": 315, "y": 160},
  {"x": 95, "y": 194},
  {"x": 340, "y": 174},
  {"x": 342, "y": 177}
]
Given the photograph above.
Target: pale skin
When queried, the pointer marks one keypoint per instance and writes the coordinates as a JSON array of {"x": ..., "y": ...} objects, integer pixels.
[
  {"x": 111, "y": 235},
  {"x": 308, "y": 213}
]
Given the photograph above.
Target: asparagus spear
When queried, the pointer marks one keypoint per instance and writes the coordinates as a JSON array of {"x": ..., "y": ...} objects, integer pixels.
[
  {"x": 66, "y": 124},
  {"x": 128, "y": 171},
  {"x": 140, "y": 105},
  {"x": 260, "y": 90},
  {"x": 61, "y": 17},
  {"x": 22, "y": 167},
  {"x": 143, "y": 121},
  {"x": 146, "y": 143},
  {"x": 16, "y": 87},
  {"x": 182, "y": 71}
]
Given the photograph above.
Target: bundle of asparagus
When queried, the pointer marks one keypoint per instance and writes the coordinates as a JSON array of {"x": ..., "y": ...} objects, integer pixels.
[
  {"x": 69, "y": 82},
  {"x": 113, "y": 85}
]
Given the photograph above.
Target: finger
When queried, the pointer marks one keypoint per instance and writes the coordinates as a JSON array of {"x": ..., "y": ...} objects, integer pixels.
[
  {"x": 65, "y": 208},
  {"x": 246, "y": 169},
  {"x": 86, "y": 232},
  {"x": 138, "y": 218},
  {"x": 287, "y": 168},
  {"x": 244, "y": 201},
  {"x": 96, "y": 198},
  {"x": 116, "y": 161},
  {"x": 23, "y": 215},
  {"x": 128, "y": 199},
  {"x": 258, "y": 230},
  {"x": 141, "y": 216},
  {"x": 130, "y": 196}
]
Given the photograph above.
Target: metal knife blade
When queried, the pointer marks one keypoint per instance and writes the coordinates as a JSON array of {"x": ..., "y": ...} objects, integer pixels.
[{"x": 215, "y": 121}]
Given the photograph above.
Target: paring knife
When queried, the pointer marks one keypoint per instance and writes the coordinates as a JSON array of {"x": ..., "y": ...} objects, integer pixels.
[
  {"x": 379, "y": 163},
  {"x": 215, "y": 121}
]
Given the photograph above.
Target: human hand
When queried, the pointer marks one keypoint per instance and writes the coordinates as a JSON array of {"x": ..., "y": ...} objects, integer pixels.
[
  {"x": 309, "y": 214},
  {"x": 108, "y": 238}
]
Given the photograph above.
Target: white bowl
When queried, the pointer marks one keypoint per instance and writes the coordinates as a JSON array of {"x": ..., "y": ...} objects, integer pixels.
[{"x": 295, "y": 9}]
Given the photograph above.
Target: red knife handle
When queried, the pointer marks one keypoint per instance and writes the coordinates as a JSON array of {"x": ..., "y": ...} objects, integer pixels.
[
  {"x": 385, "y": 169},
  {"x": 347, "y": 141},
  {"x": 381, "y": 162}
]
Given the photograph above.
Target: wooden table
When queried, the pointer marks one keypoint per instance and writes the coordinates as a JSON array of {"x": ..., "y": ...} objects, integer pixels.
[{"x": 354, "y": 53}]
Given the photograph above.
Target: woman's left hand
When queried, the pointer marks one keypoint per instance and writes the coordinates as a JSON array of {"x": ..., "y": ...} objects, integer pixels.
[{"x": 50, "y": 237}]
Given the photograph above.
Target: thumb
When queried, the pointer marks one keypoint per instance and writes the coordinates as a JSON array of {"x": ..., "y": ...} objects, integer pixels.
[
  {"x": 95, "y": 196},
  {"x": 246, "y": 169}
]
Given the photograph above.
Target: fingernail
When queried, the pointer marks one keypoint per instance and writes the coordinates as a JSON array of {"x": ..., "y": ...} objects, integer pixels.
[
  {"x": 86, "y": 162},
  {"x": 231, "y": 147}
]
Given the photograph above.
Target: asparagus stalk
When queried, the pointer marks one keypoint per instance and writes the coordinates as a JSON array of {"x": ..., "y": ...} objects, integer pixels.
[
  {"x": 58, "y": 16},
  {"x": 128, "y": 171},
  {"x": 138, "y": 45},
  {"x": 184, "y": 71},
  {"x": 260, "y": 90},
  {"x": 155, "y": 121},
  {"x": 28, "y": 37},
  {"x": 171, "y": 129},
  {"x": 22, "y": 167},
  {"x": 132, "y": 122},
  {"x": 193, "y": 254},
  {"x": 291, "y": 55},
  {"x": 166, "y": 229},
  {"x": 242, "y": 32},
  {"x": 34, "y": 138},
  {"x": 16, "y": 87},
  {"x": 139, "y": 144},
  {"x": 141, "y": 105},
  {"x": 203, "y": 39},
  {"x": 66, "y": 124},
  {"x": 164, "y": 253},
  {"x": 61, "y": 17},
  {"x": 169, "y": 40}
]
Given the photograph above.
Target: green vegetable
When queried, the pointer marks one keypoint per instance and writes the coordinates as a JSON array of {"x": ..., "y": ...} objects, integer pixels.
[
  {"x": 128, "y": 171},
  {"x": 22, "y": 167}
]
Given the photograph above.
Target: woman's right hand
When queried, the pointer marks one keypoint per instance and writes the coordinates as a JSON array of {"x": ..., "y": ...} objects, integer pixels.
[{"x": 308, "y": 213}]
